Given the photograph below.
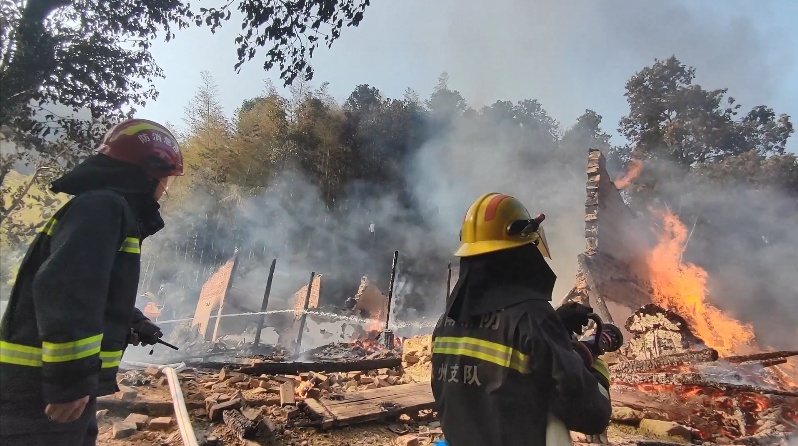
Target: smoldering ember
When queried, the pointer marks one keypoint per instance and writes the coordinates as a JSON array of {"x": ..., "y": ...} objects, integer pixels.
[{"x": 316, "y": 374}]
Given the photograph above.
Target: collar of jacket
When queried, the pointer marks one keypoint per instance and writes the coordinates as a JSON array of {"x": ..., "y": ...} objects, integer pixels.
[
  {"x": 500, "y": 280},
  {"x": 101, "y": 172}
]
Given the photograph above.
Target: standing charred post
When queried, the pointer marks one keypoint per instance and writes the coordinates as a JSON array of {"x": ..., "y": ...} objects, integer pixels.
[
  {"x": 304, "y": 315},
  {"x": 387, "y": 333},
  {"x": 264, "y": 304}
]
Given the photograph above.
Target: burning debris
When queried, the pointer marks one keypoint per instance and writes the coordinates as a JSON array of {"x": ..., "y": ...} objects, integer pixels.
[
  {"x": 688, "y": 369},
  {"x": 672, "y": 368},
  {"x": 657, "y": 332}
]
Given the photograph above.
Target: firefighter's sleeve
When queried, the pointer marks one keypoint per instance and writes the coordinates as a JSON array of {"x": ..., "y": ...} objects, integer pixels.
[
  {"x": 578, "y": 398},
  {"x": 70, "y": 292},
  {"x": 138, "y": 317}
]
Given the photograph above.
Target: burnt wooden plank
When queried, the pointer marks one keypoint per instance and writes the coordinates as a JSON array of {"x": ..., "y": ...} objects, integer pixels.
[
  {"x": 287, "y": 393},
  {"x": 326, "y": 419},
  {"x": 697, "y": 357},
  {"x": 372, "y": 405},
  {"x": 761, "y": 356},
  {"x": 402, "y": 400}
]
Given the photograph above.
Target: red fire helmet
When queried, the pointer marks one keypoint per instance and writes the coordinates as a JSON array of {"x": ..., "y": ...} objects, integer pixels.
[{"x": 146, "y": 144}]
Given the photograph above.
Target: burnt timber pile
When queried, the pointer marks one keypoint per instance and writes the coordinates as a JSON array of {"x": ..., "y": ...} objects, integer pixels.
[{"x": 664, "y": 372}]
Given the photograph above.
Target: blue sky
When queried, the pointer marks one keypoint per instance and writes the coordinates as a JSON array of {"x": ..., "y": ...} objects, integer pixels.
[{"x": 569, "y": 55}]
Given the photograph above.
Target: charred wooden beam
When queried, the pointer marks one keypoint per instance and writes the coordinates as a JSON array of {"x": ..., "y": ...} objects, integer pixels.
[
  {"x": 768, "y": 363},
  {"x": 706, "y": 355},
  {"x": 290, "y": 368},
  {"x": 241, "y": 425},
  {"x": 695, "y": 379},
  {"x": 762, "y": 356}
]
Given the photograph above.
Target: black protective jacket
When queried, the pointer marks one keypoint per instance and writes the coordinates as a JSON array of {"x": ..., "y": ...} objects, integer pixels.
[
  {"x": 503, "y": 362},
  {"x": 68, "y": 320}
]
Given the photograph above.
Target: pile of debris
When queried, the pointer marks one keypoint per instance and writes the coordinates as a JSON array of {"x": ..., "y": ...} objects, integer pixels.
[
  {"x": 667, "y": 379},
  {"x": 668, "y": 376},
  {"x": 236, "y": 404}
]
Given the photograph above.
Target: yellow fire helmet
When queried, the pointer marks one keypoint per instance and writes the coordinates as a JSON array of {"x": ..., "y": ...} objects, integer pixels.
[{"x": 495, "y": 222}]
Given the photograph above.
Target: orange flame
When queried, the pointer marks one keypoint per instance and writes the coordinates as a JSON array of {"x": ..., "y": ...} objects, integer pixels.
[
  {"x": 682, "y": 287},
  {"x": 302, "y": 389},
  {"x": 374, "y": 325},
  {"x": 635, "y": 167}
]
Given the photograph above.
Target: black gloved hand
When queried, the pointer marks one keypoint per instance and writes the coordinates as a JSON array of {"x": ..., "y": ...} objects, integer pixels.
[
  {"x": 146, "y": 332},
  {"x": 574, "y": 316}
]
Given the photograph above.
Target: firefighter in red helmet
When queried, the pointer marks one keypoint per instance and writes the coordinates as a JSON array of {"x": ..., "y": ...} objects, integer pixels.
[{"x": 72, "y": 308}]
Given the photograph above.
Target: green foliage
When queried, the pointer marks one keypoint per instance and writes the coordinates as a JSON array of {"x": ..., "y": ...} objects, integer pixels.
[
  {"x": 60, "y": 59},
  {"x": 584, "y": 135},
  {"x": 86, "y": 55},
  {"x": 293, "y": 28},
  {"x": 755, "y": 169},
  {"x": 672, "y": 119}
]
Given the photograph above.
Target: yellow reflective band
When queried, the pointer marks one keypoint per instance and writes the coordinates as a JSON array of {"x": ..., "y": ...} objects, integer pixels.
[
  {"x": 131, "y": 245},
  {"x": 480, "y": 349},
  {"x": 71, "y": 351},
  {"x": 111, "y": 359},
  {"x": 49, "y": 227},
  {"x": 18, "y": 354},
  {"x": 600, "y": 366}
]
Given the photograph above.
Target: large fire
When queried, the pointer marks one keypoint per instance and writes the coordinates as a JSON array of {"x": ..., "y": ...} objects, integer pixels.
[{"x": 682, "y": 288}]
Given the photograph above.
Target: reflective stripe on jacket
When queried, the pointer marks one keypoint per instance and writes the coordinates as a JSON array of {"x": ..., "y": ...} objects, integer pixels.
[
  {"x": 68, "y": 318},
  {"x": 512, "y": 378}
]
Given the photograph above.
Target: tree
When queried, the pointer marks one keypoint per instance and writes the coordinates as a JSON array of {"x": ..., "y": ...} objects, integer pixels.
[
  {"x": 95, "y": 55},
  {"x": 322, "y": 156},
  {"x": 674, "y": 120},
  {"x": 90, "y": 56},
  {"x": 754, "y": 169},
  {"x": 283, "y": 24},
  {"x": 445, "y": 104},
  {"x": 382, "y": 134},
  {"x": 206, "y": 144},
  {"x": 260, "y": 141},
  {"x": 584, "y": 135}
]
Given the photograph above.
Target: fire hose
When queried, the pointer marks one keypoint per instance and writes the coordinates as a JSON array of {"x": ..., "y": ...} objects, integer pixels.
[{"x": 179, "y": 404}]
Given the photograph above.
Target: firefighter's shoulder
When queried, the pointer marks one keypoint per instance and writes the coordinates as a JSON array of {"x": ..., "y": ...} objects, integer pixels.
[{"x": 97, "y": 204}]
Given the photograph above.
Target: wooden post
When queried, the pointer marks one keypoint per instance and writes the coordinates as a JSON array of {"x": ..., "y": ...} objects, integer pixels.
[
  {"x": 390, "y": 287},
  {"x": 265, "y": 303},
  {"x": 226, "y": 292},
  {"x": 304, "y": 315}
]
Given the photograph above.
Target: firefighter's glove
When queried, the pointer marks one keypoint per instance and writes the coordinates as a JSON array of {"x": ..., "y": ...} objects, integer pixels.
[
  {"x": 146, "y": 332},
  {"x": 574, "y": 316}
]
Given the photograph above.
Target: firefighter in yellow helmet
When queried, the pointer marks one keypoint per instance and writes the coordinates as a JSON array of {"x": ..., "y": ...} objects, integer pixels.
[{"x": 505, "y": 368}]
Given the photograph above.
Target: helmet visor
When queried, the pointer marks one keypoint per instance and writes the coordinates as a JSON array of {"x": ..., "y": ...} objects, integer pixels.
[{"x": 163, "y": 186}]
